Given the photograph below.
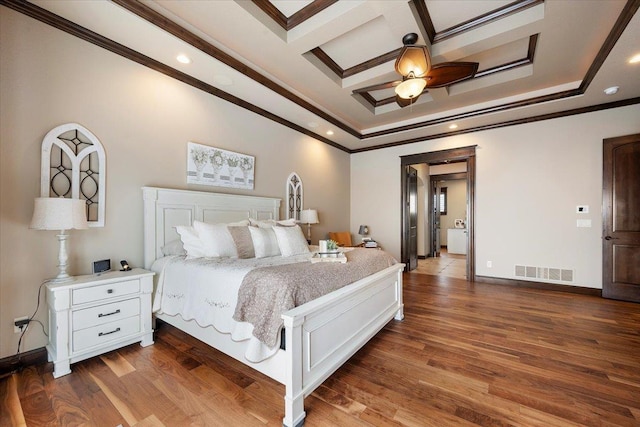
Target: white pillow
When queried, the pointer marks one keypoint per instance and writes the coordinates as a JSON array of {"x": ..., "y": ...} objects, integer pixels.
[
  {"x": 264, "y": 242},
  {"x": 291, "y": 240},
  {"x": 268, "y": 223},
  {"x": 191, "y": 241},
  {"x": 216, "y": 240},
  {"x": 174, "y": 247}
]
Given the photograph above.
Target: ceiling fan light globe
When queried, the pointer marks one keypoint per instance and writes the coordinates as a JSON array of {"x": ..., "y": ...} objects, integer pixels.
[
  {"x": 413, "y": 59},
  {"x": 410, "y": 88}
]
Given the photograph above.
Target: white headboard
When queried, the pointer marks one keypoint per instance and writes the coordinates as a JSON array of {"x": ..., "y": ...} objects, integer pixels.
[{"x": 165, "y": 208}]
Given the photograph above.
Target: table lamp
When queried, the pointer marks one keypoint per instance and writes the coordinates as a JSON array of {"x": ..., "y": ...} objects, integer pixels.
[
  {"x": 309, "y": 216},
  {"x": 59, "y": 213}
]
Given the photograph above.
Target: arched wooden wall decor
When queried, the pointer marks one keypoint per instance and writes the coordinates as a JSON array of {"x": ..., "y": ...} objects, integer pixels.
[
  {"x": 294, "y": 194},
  {"x": 73, "y": 166}
]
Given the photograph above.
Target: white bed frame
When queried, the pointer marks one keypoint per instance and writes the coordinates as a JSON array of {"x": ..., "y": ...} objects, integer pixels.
[{"x": 319, "y": 336}]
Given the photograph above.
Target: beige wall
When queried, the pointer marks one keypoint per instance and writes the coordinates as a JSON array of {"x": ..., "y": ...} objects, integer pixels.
[
  {"x": 529, "y": 180},
  {"x": 144, "y": 121}
]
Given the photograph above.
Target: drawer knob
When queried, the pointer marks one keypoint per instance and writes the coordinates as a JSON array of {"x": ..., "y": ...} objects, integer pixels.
[
  {"x": 109, "y": 291},
  {"x": 107, "y": 333},
  {"x": 109, "y": 314}
]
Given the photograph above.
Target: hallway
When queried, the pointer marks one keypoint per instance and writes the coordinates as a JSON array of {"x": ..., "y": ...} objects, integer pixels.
[{"x": 448, "y": 265}]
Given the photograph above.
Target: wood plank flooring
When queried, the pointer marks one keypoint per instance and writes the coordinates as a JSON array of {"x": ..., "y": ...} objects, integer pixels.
[{"x": 466, "y": 354}]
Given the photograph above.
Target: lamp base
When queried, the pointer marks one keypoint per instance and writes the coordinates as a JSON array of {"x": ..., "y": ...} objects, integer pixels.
[{"x": 62, "y": 276}]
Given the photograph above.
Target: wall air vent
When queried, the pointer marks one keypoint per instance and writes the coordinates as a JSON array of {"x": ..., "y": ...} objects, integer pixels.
[{"x": 544, "y": 273}]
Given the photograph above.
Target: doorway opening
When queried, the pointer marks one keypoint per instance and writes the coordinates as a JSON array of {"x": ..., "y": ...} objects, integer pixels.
[{"x": 426, "y": 213}]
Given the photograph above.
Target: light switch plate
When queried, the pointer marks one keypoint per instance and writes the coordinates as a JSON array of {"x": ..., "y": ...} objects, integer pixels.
[
  {"x": 582, "y": 209},
  {"x": 586, "y": 223}
]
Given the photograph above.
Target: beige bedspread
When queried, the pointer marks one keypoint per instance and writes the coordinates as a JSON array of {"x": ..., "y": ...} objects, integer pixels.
[{"x": 268, "y": 292}]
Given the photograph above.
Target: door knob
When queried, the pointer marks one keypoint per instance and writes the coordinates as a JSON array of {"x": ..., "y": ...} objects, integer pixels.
[{"x": 610, "y": 238}]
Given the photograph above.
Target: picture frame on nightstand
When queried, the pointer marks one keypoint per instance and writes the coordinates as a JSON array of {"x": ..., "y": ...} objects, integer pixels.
[{"x": 101, "y": 266}]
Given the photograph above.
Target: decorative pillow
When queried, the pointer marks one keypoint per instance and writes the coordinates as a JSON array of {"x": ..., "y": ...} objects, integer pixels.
[
  {"x": 216, "y": 240},
  {"x": 264, "y": 242},
  {"x": 241, "y": 223},
  {"x": 242, "y": 239},
  {"x": 191, "y": 241},
  {"x": 174, "y": 247},
  {"x": 291, "y": 240}
]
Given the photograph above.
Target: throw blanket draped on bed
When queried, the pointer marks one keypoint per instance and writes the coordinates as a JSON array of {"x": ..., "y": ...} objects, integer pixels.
[{"x": 268, "y": 292}]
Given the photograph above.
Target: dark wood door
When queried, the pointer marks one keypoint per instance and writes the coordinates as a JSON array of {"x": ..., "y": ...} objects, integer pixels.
[
  {"x": 412, "y": 218},
  {"x": 434, "y": 218},
  {"x": 621, "y": 218}
]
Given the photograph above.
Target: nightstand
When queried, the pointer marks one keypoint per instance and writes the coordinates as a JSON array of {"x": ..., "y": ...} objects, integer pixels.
[{"x": 98, "y": 313}]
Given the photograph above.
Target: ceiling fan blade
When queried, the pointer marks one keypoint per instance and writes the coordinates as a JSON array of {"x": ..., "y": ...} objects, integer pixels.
[
  {"x": 402, "y": 102},
  {"x": 378, "y": 86},
  {"x": 448, "y": 73}
]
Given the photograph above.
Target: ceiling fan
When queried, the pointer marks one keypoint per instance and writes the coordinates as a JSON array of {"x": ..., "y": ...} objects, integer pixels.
[{"x": 414, "y": 65}]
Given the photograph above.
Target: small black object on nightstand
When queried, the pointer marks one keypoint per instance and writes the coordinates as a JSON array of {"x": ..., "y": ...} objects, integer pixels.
[{"x": 125, "y": 265}]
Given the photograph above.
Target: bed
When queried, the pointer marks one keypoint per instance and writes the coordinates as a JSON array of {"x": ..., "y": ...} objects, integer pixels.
[{"x": 319, "y": 336}]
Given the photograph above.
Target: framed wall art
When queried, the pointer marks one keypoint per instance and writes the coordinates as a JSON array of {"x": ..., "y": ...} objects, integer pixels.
[{"x": 221, "y": 168}]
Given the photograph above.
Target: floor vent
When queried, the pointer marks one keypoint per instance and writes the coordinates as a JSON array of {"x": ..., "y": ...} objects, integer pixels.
[{"x": 545, "y": 273}]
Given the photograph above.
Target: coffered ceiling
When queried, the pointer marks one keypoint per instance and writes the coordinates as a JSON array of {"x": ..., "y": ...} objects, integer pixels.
[{"x": 299, "y": 62}]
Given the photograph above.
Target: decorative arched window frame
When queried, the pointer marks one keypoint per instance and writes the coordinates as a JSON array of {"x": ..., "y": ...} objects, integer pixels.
[
  {"x": 68, "y": 168},
  {"x": 295, "y": 196}
]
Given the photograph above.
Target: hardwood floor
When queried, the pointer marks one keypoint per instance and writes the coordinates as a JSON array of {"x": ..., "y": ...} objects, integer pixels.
[{"x": 466, "y": 354}]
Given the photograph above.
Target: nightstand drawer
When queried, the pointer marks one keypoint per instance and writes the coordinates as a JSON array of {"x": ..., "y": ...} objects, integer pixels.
[
  {"x": 102, "y": 334},
  {"x": 105, "y": 313},
  {"x": 96, "y": 293}
]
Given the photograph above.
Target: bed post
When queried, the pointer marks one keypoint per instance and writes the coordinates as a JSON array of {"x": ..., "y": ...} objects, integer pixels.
[
  {"x": 150, "y": 198},
  {"x": 400, "y": 313},
  {"x": 294, "y": 398}
]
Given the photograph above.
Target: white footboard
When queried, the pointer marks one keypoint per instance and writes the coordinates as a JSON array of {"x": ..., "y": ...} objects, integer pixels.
[{"x": 322, "y": 334}]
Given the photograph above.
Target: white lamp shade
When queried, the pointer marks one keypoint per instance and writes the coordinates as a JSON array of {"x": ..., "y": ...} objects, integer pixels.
[
  {"x": 410, "y": 88},
  {"x": 309, "y": 216},
  {"x": 58, "y": 213}
]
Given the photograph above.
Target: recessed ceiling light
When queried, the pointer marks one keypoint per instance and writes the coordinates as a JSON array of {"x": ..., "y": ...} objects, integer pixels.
[
  {"x": 635, "y": 59},
  {"x": 329, "y": 132},
  {"x": 612, "y": 90},
  {"x": 184, "y": 59},
  {"x": 453, "y": 126}
]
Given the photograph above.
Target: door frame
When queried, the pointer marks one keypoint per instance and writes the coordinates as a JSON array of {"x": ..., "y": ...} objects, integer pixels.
[
  {"x": 411, "y": 256},
  {"x": 433, "y": 180},
  {"x": 454, "y": 155}
]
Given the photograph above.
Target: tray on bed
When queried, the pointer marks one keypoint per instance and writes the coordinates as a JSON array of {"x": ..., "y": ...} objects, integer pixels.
[{"x": 328, "y": 257}]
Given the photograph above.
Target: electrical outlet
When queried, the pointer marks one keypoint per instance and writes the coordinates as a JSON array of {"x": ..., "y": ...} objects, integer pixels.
[
  {"x": 19, "y": 324},
  {"x": 489, "y": 264}
]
